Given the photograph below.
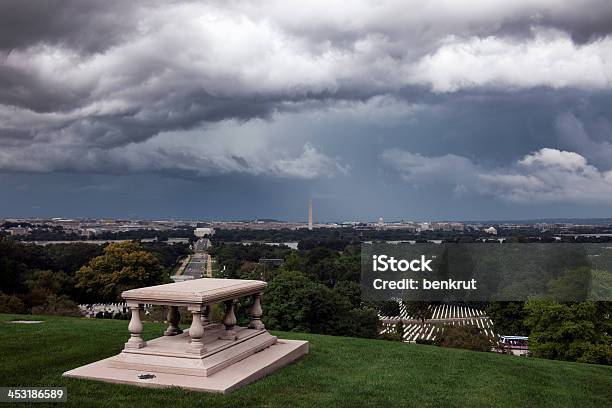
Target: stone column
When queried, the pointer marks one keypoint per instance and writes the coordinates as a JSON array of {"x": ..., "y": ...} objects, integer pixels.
[
  {"x": 255, "y": 313},
  {"x": 135, "y": 327},
  {"x": 196, "y": 331},
  {"x": 229, "y": 321},
  {"x": 206, "y": 316},
  {"x": 174, "y": 318}
]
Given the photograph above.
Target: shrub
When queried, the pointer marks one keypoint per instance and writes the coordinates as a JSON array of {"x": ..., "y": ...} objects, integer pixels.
[
  {"x": 463, "y": 337},
  {"x": 596, "y": 354},
  {"x": 59, "y": 306},
  {"x": 11, "y": 304},
  {"x": 390, "y": 336}
]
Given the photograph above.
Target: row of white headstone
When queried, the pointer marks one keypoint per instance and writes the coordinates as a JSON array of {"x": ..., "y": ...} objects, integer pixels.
[{"x": 440, "y": 315}]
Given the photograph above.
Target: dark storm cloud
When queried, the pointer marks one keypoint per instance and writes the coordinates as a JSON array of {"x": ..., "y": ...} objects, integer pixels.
[
  {"x": 88, "y": 26},
  {"x": 584, "y": 24},
  {"x": 104, "y": 86},
  {"x": 18, "y": 88}
]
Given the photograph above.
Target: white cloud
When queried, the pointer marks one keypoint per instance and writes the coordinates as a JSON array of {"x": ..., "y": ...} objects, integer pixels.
[
  {"x": 310, "y": 164},
  {"x": 550, "y": 59},
  {"x": 545, "y": 176}
]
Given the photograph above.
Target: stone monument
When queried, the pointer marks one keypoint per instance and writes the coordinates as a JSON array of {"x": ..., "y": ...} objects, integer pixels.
[{"x": 209, "y": 356}]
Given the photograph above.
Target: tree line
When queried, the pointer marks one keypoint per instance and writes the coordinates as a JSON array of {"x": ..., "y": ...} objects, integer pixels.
[
  {"x": 55, "y": 278},
  {"x": 314, "y": 289}
]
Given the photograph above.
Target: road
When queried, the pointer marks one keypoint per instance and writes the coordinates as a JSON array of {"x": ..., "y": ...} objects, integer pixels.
[
  {"x": 199, "y": 266},
  {"x": 196, "y": 265}
]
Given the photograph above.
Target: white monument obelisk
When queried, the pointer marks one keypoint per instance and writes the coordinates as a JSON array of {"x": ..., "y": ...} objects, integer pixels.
[{"x": 310, "y": 215}]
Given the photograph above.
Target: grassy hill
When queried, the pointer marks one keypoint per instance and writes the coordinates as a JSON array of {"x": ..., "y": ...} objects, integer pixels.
[{"x": 338, "y": 371}]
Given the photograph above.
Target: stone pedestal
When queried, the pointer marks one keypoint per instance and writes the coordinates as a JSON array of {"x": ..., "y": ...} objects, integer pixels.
[{"x": 208, "y": 356}]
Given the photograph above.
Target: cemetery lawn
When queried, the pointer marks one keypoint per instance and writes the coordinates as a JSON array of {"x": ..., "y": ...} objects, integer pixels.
[{"x": 339, "y": 371}]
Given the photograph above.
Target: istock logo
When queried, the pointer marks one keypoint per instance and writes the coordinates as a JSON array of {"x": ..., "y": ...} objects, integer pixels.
[{"x": 383, "y": 263}]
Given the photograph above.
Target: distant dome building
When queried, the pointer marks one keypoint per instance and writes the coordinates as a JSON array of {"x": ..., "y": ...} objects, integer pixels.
[{"x": 491, "y": 230}]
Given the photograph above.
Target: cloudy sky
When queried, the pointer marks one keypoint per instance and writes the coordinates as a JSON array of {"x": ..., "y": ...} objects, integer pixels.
[{"x": 409, "y": 110}]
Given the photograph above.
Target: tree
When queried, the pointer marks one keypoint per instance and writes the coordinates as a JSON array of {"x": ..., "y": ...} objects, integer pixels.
[
  {"x": 573, "y": 332},
  {"x": 572, "y": 285},
  {"x": 389, "y": 308},
  {"x": 294, "y": 302},
  {"x": 350, "y": 290},
  {"x": 123, "y": 266},
  {"x": 51, "y": 282},
  {"x": 508, "y": 318}
]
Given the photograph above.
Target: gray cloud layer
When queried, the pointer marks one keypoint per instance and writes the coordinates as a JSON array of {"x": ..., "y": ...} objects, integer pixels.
[
  {"x": 545, "y": 176},
  {"x": 118, "y": 86}
]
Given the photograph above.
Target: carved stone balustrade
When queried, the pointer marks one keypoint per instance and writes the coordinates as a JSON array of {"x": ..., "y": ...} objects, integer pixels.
[
  {"x": 223, "y": 355},
  {"x": 197, "y": 296}
]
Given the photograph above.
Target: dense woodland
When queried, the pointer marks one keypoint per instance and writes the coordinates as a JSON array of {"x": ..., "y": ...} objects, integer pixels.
[
  {"x": 314, "y": 289},
  {"x": 45, "y": 279}
]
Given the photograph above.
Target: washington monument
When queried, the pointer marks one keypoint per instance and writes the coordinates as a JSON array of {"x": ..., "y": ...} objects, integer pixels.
[{"x": 310, "y": 215}]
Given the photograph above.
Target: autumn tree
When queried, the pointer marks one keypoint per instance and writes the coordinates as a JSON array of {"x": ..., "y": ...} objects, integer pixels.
[{"x": 123, "y": 266}]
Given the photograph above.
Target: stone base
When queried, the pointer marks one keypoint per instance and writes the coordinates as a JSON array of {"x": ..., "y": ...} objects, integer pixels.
[
  {"x": 193, "y": 373},
  {"x": 176, "y": 355}
]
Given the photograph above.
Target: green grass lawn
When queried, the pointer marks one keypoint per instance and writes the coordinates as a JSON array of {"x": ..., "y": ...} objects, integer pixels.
[{"x": 339, "y": 371}]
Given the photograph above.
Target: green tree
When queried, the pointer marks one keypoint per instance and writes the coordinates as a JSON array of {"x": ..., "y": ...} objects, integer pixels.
[
  {"x": 571, "y": 285},
  {"x": 293, "y": 302},
  {"x": 573, "y": 332},
  {"x": 350, "y": 290},
  {"x": 51, "y": 282},
  {"x": 389, "y": 308},
  {"x": 123, "y": 266},
  {"x": 508, "y": 318}
]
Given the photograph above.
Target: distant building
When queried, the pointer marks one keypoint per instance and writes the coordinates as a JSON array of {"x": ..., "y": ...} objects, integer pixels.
[
  {"x": 424, "y": 226},
  {"x": 491, "y": 230},
  {"x": 202, "y": 232},
  {"x": 173, "y": 241},
  {"x": 88, "y": 232},
  {"x": 19, "y": 230}
]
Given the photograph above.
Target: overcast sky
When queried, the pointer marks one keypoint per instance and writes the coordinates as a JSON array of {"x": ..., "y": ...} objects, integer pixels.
[{"x": 414, "y": 110}]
